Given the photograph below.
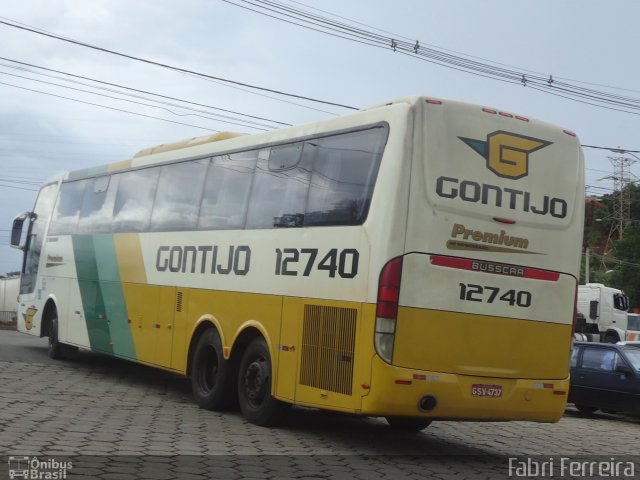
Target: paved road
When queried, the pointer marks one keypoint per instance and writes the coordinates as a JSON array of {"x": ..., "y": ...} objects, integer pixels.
[{"x": 124, "y": 418}]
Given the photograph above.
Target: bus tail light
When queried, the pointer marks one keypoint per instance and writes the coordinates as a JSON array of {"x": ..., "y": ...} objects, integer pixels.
[{"x": 387, "y": 308}]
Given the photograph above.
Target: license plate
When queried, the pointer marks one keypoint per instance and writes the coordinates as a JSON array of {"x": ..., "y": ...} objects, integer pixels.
[{"x": 486, "y": 390}]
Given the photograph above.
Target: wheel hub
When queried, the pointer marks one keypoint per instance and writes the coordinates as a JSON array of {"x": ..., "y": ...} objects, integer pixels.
[{"x": 255, "y": 382}]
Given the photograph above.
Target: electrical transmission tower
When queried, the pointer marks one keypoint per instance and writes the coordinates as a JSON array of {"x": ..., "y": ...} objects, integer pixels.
[{"x": 621, "y": 215}]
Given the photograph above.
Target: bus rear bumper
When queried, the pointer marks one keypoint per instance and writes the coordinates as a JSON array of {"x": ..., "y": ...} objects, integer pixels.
[{"x": 400, "y": 391}]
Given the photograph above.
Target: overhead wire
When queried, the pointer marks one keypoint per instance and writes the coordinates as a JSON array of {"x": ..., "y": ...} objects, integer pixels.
[
  {"x": 146, "y": 92},
  {"x": 169, "y": 67},
  {"x": 109, "y": 108},
  {"x": 406, "y": 47},
  {"x": 250, "y": 124},
  {"x": 328, "y": 26},
  {"x": 542, "y": 83},
  {"x": 396, "y": 35},
  {"x": 18, "y": 188},
  {"x": 416, "y": 47},
  {"x": 613, "y": 149}
]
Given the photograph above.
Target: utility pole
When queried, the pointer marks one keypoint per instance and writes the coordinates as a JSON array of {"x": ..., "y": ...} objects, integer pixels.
[{"x": 586, "y": 266}]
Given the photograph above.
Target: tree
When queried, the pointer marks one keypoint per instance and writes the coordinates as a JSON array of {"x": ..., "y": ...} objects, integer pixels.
[
  {"x": 619, "y": 265},
  {"x": 626, "y": 275}
]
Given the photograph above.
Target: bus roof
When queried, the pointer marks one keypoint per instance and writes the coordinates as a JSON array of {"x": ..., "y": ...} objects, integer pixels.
[{"x": 148, "y": 156}]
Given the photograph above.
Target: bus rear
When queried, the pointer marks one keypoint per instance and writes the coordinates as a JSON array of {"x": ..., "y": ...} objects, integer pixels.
[{"x": 474, "y": 318}]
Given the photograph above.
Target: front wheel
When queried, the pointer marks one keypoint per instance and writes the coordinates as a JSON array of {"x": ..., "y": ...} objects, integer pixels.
[
  {"x": 57, "y": 350},
  {"x": 408, "y": 424},
  {"x": 257, "y": 404}
]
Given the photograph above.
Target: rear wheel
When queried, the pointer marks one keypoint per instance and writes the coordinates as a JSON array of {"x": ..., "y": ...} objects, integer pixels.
[
  {"x": 586, "y": 409},
  {"x": 209, "y": 373},
  {"x": 611, "y": 338},
  {"x": 408, "y": 424},
  {"x": 257, "y": 404}
]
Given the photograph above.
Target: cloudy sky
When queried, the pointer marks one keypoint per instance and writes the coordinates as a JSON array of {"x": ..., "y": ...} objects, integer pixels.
[{"x": 51, "y": 121}]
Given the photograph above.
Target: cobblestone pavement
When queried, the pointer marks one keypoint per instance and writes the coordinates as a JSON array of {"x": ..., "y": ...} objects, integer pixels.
[{"x": 116, "y": 420}]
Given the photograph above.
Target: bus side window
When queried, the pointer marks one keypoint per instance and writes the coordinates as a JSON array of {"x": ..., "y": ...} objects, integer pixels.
[
  {"x": 65, "y": 218},
  {"x": 280, "y": 188},
  {"x": 97, "y": 205},
  {"x": 178, "y": 196},
  {"x": 344, "y": 173},
  {"x": 134, "y": 200},
  {"x": 226, "y": 191}
]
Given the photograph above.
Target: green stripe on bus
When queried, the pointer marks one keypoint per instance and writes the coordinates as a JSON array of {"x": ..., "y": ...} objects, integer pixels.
[
  {"x": 92, "y": 301},
  {"x": 113, "y": 297}
]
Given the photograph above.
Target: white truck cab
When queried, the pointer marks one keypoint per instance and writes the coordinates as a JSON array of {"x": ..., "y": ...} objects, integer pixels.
[{"x": 603, "y": 313}]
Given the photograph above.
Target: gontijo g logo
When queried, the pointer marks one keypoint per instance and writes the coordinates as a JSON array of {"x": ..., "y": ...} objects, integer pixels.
[{"x": 507, "y": 154}]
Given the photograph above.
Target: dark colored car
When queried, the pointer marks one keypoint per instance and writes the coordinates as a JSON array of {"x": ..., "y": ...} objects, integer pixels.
[{"x": 605, "y": 376}]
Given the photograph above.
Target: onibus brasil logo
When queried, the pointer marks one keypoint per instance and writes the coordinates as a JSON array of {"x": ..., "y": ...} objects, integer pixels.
[
  {"x": 34, "y": 468},
  {"x": 507, "y": 154}
]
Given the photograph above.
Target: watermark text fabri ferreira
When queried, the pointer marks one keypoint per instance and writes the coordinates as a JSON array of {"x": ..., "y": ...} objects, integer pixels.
[{"x": 540, "y": 467}]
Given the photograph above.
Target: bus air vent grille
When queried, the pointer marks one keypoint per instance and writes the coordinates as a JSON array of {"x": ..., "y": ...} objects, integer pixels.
[
  {"x": 328, "y": 339},
  {"x": 179, "y": 302}
]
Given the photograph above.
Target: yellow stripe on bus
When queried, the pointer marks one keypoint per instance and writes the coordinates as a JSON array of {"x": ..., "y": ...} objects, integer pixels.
[
  {"x": 130, "y": 260},
  {"x": 113, "y": 167}
]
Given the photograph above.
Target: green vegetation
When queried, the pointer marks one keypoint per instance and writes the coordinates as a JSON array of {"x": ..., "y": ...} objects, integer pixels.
[{"x": 615, "y": 263}]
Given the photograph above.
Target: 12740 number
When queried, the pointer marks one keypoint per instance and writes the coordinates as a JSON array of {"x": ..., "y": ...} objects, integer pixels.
[
  {"x": 482, "y": 293},
  {"x": 290, "y": 261}
]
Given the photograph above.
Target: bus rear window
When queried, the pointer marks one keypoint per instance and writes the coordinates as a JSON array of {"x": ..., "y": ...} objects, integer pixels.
[{"x": 344, "y": 173}]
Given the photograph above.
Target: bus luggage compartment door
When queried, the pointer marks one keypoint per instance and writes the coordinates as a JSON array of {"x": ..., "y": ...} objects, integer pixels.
[{"x": 511, "y": 324}]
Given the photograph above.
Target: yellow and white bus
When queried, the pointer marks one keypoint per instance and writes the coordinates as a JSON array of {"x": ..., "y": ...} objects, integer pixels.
[{"x": 416, "y": 260}]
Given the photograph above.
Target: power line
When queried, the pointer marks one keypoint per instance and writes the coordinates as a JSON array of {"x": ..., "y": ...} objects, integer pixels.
[
  {"x": 18, "y": 188},
  {"x": 596, "y": 170},
  {"x": 612, "y": 149},
  {"x": 606, "y": 258},
  {"x": 246, "y": 125},
  {"x": 110, "y": 108},
  {"x": 146, "y": 92},
  {"x": 170, "y": 67},
  {"x": 395, "y": 35},
  {"x": 542, "y": 83},
  {"x": 23, "y": 182},
  {"x": 398, "y": 47}
]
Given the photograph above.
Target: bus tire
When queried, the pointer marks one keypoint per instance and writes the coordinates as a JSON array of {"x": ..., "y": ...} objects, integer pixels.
[
  {"x": 57, "y": 350},
  {"x": 257, "y": 404},
  {"x": 209, "y": 381},
  {"x": 408, "y": 424},
  {"x": 55, "y": 347},
  {"x": 586, "y": 409}
]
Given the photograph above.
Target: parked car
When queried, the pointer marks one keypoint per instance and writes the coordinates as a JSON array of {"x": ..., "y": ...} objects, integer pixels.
[{"x": 605, "y": 376}]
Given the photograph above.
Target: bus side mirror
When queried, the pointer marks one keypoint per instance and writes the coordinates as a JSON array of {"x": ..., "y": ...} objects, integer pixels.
[
  {"x": 16, "y": 229},
  {"x": 593, "y": 309}
]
